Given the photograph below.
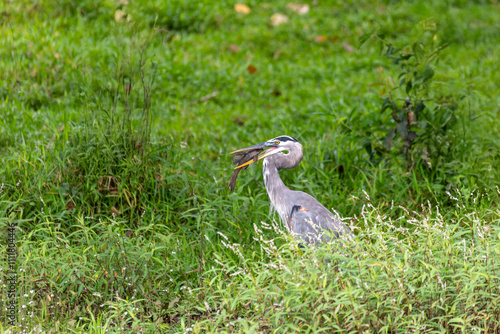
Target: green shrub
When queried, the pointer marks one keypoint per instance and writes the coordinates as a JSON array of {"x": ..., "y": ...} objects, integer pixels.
[{"x": 441, "y": 275}]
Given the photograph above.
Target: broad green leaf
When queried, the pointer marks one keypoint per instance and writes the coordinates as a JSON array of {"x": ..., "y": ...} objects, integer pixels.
[{"x": 428, "y": 73}]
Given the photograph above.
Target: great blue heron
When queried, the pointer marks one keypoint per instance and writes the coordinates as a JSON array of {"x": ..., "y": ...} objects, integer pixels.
[{"x": 301, "y": 213}]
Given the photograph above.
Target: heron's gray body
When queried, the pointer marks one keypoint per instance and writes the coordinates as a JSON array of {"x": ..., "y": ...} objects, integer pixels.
[{"x": 301, "y": 213}]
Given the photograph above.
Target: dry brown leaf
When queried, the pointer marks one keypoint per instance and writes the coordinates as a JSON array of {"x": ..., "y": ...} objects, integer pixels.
[
  {"x": 234, "y": 48},
  {"x": 251, "y": 69},
  {"x": 242, "y": 8},
  {"x": 320, "y": 39},
  {"x": 411, "y": 118},
  {"x": 298, "y": 8},
  {"x": 115, "y": 210},
  {"x": 278, "y": 19},
  {"x": 208, "y": 97},
  {"x": 276, "y": 92},
  {"x": 173, "y": 302},
  {"x": 240, "y": 120},
  {"x": 348, "y": 47}
]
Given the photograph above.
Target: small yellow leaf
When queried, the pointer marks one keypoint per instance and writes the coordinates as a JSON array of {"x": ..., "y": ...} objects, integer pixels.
[
  {"x": 278, "y": 19},
  {"x": 119, "y": 15},
  {"x": 298, "y": 8},
  {"x": 320, "y": 39},
  {"x": 242, "y": 8},
  {"x": 48, "y": 298}
]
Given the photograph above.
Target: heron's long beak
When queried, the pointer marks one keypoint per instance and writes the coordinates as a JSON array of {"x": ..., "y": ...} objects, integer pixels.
[
  {"x": 254, "y": 147},
  {"x": 272, "y": 150}
]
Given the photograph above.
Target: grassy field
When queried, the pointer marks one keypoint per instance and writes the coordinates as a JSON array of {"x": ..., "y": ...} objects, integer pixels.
[{"x": 117, "y": 119}]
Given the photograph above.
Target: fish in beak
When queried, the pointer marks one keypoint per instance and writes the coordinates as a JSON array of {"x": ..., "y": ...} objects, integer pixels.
[{"x": 245, "y": 156}]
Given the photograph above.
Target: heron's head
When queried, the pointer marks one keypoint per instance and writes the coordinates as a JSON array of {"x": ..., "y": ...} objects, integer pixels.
[{"x": 279, "y": 146}]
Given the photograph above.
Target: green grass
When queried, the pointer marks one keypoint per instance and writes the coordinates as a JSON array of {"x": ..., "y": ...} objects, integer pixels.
[{"x": 114, "y": 164}]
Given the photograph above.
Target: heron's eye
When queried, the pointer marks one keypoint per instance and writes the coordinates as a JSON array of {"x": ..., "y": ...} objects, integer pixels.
[{"x": 277, "y": 142}]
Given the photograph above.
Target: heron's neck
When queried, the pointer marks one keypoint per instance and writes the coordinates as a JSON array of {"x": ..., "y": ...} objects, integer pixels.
[{"x": 276, "y": 189}]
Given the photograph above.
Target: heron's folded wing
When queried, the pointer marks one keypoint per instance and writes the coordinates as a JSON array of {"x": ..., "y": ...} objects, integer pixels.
[{"x": 314, "y": 227}]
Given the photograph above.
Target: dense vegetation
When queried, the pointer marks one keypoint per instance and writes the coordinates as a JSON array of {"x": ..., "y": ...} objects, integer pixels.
[{"x": 116, "y": 121}]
